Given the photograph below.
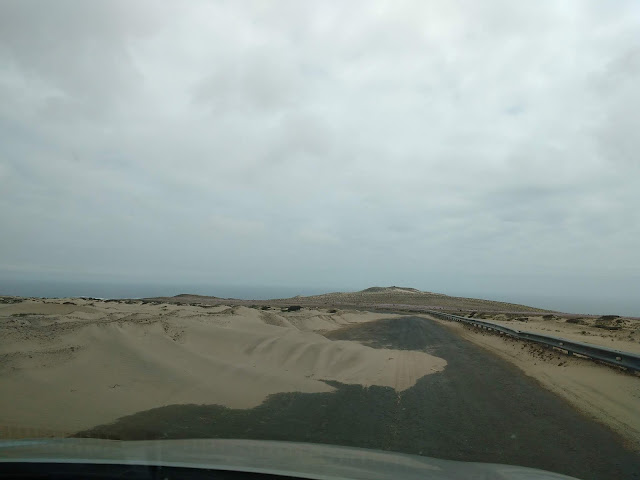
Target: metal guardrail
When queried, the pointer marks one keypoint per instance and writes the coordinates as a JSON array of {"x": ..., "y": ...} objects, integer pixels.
[{"x": 627, "y": 360}]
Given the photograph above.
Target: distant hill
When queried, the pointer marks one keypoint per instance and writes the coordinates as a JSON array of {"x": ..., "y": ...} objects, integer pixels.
[
  {"x": 390, "y": 290},
  {"x": 192, "y": 296},
  {"x": 391, "y": 298}
]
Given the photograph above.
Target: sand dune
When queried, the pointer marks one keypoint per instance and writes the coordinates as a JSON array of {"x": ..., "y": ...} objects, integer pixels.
[{"x": 67, "y": 367}]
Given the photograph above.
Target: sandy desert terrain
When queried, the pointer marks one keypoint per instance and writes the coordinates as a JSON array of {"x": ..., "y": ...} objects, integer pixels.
[{"x": 70, "y": 364}]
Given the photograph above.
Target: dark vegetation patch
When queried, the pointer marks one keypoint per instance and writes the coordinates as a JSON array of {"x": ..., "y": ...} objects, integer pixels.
[
  {"x": 10, "y": 300},
  {"x": 608, "y": 322},
  {"x": 577, "y": 321},
  {"x": 609, "y": 327}
]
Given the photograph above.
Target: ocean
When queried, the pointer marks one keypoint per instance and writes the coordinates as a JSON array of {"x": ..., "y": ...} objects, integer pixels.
[{"x": 52, "y": 289}]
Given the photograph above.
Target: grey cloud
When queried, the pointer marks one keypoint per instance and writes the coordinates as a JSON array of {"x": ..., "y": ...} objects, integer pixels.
[
  {"x": 387, "y": 142},
  {"x": 76, "y": 52},
  {"x": 617, "y": 87},
  {"x": 250, "y": 82}
]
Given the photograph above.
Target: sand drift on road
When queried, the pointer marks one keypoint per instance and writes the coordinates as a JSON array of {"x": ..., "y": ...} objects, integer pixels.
[{"x": 74, "y": 364}]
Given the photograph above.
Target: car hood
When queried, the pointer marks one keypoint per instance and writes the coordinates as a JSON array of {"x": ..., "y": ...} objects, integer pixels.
[{"x": 303, "y": 460}]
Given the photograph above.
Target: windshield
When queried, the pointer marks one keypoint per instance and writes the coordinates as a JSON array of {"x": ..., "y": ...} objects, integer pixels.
[{"x": 400, "y": 226}]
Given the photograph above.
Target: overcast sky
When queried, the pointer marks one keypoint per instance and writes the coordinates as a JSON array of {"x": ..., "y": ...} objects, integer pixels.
[{"x": 456, "y": 146}]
